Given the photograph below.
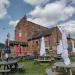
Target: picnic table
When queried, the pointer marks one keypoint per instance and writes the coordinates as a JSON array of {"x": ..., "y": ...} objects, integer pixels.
[
  {"x": 43, "y": 59},
  {"x": 8, "y": 66},
  {"x": 67, "y": 68}
]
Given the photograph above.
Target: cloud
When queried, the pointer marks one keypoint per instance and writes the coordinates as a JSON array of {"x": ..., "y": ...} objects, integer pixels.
[
  {"x": 52, "y": 13},
  {"x": 69, "y": 26},
  {"x": 3, "y": 8},
  {"x": 13, "y": 23},
  {"x": 40, "y": 21},
  {"x": 67, "y": 1},
  {"x": 36, "y": 2},
  {"x": 73, "y": 1}
]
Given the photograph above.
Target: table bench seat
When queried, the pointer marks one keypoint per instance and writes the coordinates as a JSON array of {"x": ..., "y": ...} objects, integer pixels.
[
  {"x": 5, "y": 72},
  {"x": 40, "y": 60}
]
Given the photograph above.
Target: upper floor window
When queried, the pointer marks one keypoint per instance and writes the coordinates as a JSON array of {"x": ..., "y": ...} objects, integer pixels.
[{"x": 20, "y": 33}]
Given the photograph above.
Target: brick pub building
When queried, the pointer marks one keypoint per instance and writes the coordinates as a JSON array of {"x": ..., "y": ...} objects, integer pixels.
[
  {"x": 24, "y": 30},
  {"x": 29, "y": 34}
]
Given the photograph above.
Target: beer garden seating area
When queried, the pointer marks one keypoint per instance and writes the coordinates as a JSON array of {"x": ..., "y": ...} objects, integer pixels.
[
  {"x": 30, "y": 68},
  {"x": 36, "y": 65}
]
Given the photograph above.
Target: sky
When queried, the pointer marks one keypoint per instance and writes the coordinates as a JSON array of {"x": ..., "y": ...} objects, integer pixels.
[{"x": 48, "y": 13}]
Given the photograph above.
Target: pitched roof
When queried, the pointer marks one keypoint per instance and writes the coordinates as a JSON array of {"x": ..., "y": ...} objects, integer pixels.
[
  {"x": 44, "y": 33},
  {"x": 23, "y": 21}
]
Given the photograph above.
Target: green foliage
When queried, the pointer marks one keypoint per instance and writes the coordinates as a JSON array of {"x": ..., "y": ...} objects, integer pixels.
[{"x": 2, "y": 45}]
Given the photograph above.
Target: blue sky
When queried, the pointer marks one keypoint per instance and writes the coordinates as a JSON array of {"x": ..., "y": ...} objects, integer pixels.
[
  {"x": 48, "y": 13},
  {"x": 15, "y": 9}
]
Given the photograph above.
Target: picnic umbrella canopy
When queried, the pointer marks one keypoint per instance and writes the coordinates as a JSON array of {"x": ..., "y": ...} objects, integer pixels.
[
  {"x": 64, "y": 46},
  {"x": 59, "y": 47},
  {"x": 7, "y": 41},
  {"x": 18, "y": 50},
  {"x": 7, "y": 44},
  {"x": 42, "y": 47}
]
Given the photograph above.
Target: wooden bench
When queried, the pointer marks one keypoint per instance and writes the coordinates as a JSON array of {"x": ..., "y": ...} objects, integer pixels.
[
  {"x": 41, "y": 60},
  {"x": 50, "y": 72},
  {"x": 5, "y": 72}
]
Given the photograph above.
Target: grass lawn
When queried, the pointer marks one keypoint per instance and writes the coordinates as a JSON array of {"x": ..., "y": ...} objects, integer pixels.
[
  {"x": 72, "y": 59},
  {"x": 34, "y": 69}
]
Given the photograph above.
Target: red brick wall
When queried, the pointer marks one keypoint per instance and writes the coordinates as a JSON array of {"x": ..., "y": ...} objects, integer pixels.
[
  {"x": 21, "y": 27},
  {"x": 27, "y": 29}
]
